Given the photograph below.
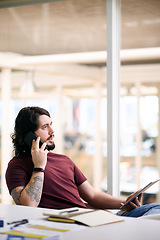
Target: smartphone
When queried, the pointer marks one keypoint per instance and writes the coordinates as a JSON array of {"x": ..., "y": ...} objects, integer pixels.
[{"x": 29, "y": 138}]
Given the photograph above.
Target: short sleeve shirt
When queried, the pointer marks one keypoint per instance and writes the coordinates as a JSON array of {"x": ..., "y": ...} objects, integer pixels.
[{"x": 61, "y": 179}]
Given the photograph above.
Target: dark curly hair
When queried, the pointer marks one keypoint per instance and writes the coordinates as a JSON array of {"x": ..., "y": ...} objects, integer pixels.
[{"x": 27, "y": 120}]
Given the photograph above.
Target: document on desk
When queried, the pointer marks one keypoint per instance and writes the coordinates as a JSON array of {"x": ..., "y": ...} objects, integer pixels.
[
  {"x": 41, "y": 229},
  {"x": 87, "y": 217}
]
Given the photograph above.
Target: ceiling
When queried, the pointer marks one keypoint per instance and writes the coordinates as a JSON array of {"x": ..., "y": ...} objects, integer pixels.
[
  {"x": 73, "y": 26},
  {"x": 77, "y": 26}
]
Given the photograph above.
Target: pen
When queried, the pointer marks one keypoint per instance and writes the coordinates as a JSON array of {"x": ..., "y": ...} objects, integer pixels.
[
  {"x": 18, "y": 223},
  {"x": 70, "y": 211}
]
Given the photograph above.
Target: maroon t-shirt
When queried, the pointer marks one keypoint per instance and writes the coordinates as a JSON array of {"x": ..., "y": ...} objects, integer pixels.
[{"x": 61, "y": 179}]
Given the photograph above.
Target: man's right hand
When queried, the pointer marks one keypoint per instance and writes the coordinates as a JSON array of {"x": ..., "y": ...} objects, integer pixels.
[
  {"x": 133, "y": 204},
  {"x": 39, "y": 155}
]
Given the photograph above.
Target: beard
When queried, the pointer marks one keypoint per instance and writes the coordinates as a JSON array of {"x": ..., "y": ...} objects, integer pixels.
[{"x": 51, "y": 147}]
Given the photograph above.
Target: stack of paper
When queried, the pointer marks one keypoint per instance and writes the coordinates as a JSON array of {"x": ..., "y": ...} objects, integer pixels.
[{"x": 88, "y": 217}]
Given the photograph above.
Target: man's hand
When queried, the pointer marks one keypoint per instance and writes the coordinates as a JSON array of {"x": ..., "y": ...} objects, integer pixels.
[
  {"x": 39, "y": 155},
  {"x": 135, "y": 203}
]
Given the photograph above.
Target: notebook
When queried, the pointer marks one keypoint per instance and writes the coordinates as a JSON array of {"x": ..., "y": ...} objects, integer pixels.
[{"x": 84, "y": 216}]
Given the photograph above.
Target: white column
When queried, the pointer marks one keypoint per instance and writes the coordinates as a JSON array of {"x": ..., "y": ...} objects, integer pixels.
[
  {"x": 157, "y": 145},
  {"x": 69, "y": 113},
  {"x": 59, "y": 125},
  {"x": 97, "y": 163},
  {"x": 138, "y": 160},
  {"x": 113, "y": 95},
  {"x": 5, "y": 137}
]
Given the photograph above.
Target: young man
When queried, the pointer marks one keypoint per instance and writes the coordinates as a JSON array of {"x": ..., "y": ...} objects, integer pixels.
[{"x": 40, "y": 178}]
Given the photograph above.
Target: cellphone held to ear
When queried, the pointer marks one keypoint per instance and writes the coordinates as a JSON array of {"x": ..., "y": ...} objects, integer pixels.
[{"x": 29, "y": 138}]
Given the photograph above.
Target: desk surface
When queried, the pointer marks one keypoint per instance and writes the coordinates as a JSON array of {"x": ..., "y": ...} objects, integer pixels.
[{"x": 131, "y": 228}]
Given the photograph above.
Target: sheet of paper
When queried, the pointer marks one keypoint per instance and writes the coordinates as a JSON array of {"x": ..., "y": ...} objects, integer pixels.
[
  {"x": 60, "y": 226},
  {"x": 41, "y": 229},
  {"x": 34, "y": 233},
  {"x": 66, "y": 213}
]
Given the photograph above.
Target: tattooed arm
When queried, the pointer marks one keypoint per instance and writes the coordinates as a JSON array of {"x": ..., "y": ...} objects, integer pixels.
[{"x": 31, "y": 194}]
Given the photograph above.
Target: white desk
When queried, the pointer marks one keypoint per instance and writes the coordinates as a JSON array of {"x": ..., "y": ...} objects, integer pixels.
[{"x": 131, "y": 228}]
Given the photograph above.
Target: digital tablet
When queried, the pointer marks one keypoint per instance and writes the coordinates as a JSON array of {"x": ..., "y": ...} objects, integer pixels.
[{"x": 141, "y": 191}]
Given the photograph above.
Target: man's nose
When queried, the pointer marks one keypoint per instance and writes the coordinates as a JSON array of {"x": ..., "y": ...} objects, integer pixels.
[{"x": 51, "y": 131}]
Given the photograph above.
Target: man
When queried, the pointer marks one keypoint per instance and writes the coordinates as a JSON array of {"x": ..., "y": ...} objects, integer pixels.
[{"x": 40, "y": 178}]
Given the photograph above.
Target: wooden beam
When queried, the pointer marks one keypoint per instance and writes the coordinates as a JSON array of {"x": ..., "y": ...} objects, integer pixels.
[{"x": 18, "y": 3}]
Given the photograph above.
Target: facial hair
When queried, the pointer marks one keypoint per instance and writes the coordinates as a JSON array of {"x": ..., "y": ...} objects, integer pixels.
[{"x": 51, "y": 147}]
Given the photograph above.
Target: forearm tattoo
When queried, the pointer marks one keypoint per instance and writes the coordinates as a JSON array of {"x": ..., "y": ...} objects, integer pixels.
[
  {"x": 16, "y": 195},
  {"x": 34, "y": 189}
]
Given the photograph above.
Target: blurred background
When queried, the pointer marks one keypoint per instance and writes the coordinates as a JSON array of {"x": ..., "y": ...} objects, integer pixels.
[{"x": 53, "y": 55}]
